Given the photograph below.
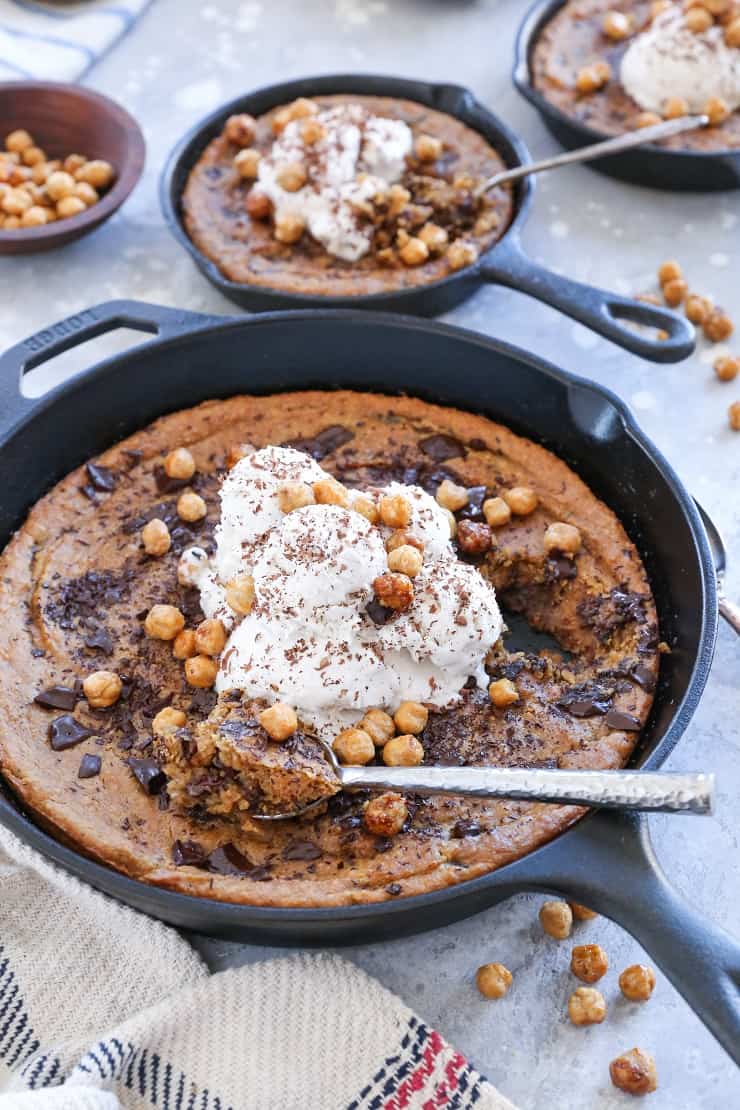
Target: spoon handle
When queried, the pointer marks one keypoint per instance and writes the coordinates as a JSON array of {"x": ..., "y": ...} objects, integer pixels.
[
  {"x": 731, "y": 612},
  {"x": 659, "y": 792},
  {"x": 599, "y": 150}
]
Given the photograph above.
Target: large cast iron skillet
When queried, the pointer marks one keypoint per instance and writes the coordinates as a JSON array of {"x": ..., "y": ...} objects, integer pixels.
[
  {"x": 504, "y": 264},
  {"x": 656, "y": 166},
  {"x": 605, "y": 861}
]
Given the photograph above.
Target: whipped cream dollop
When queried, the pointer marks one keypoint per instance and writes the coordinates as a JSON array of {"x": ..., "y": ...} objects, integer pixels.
[
  {"x": 668, "y": 60},
  {"x": 359, "y": 157},
  {"x": 309, "y": 640}
]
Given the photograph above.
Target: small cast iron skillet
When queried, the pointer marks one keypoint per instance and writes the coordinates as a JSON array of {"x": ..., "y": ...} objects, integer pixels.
[
  {"x": 504, "y": 263},
  {"x": 655, "y": 166},
  {"x": 605, "y": 860}
]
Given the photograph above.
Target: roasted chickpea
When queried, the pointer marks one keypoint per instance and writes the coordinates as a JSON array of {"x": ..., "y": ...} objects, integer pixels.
[
  {"x": 460, "y": 254},
  {"x": 258, "y": 205},
  {"x": 732, "y": 33},
  {"x": 353, "y": 747},
  {"x": 586, "y": 1006},
  {"x": 179, "y": 464},
  {"x": 635, "y": 1071},
  {"x": 379, "y": 726},
  {"x": 183, "y": 645},
  {"x": 698, "y": 20},
  {"x": 474, "y": 537},
  {"x": 15, "y": 202},
  {"x": 616, "y": 26},
  {"x": 727, "y": 367},
  {"x": 163, "y": 622},
  {"x": 102, "y": 689},
  {"x": 70, "y": 206},
  {"x": 563, "y": 539},
  {"x": 167, "y": 721},
  {"x": 201, "y": 671},
  {"x": 73, "y": 162},
  {"x": 210, "y": 637},
  {"x": 434, "y": 237},
  {"x": 591, "y": 78},
  {"x": 246, "y": 163},
  {"x": 366, "y": 507},
  {"x": 733, "y": 415},
  {"x": 637, "y": 982},
  {"x": 155, "y": 536},
  {"x": 718, "y": 111},
  {"x": 675, "y": 107},
  {"x": 669, "y": 271},
  {"x": 97, "y": 173},
  {"x": 697, "y": 308},
  {"x": 394, "y": 591},
  {"x": 589, "y": 962},
  {"x": 35, "y": 216},
  {"x": 496, "y": 512},
  {"x": 675, "y": 291},
  {"x": 86, "y": 193},
  {"x": 18, "y": 141},
  {"x": 328, "y": 491},
  {"x": 503, "y": 693},
  {"x": 414, "y": 252},
  {"x": 493, "y": 980},
  {"x": 289, "y": 228},
  {"x": 406, "y": 560},
  {"x": 451, "y": 496},
  {"x": 402, "y": 537},
  {"x": 581, "y": 913},
  {"x": 312, "y": 132},
  {"x": 191, "y": 506},
  {"x": 291, "y": 176},
  {"x": 240, "y": 129},
  {"x": 403, "y": 751},
  {"x": 427, "y": 148},
  {"x": 240, "y": 594},
  {"x": 521, "y": 500},
  {"x": 718, "y": 326},
  {"x": 385, "y": 815},
  {"x": 395, "y": 511},
  {"x": 646, "y": 119},
  {"x": 556, "y": 919},
  {"x": 295, "y": 495},
  {"x": 411, "y": 717},
  {"x": 279, "y": 721}
]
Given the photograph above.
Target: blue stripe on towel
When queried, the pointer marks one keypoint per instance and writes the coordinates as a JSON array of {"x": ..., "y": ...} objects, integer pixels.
[
  {"x": 52, "y": 40},
  {"x": 16, "y": 69},
  {"x": 41, "y": 9}
]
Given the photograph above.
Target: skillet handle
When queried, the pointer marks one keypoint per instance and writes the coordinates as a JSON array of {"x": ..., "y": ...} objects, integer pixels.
[
  {"x": 603, "y": 312},
  {"x": 607, "y": 862},
  {"x": 153, "y": 319}
]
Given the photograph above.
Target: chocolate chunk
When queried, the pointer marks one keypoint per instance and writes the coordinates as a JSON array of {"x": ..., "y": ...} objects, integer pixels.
[
  {"x": 394, "y": 888},
  {"x": 165, "y": 484},
  {"x": 643, "y": 676},
  {"x": 148, "y": 774},
  {"x": 462, "y": 829},
  {"x": 66, "y": 731},
  {"x": 228, "y": 860},
  {"x": 58, "y": 697},
  {"x": 188, "y": 853},
  {"x": 302, "y": 849},
  {"x": 101, "y": 478},
  {"x": 587, "y": 700},
  {"x": 441, "y": 447},
  {"x": 323, "y": 444},
  {"x": 89, "y": 767},
  {"x": 617, "y": 718},
  {"x": 608, "y": 612},
  {"x": 559, "y": 569},
  {"x": 478, "y": 445},
  {"x": 378, "y": 613},
  {"x": 474, "y": 507},
  {"x": 100, "y": 640}
]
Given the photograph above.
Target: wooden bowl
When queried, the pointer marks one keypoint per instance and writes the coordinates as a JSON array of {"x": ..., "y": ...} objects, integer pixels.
[{"x": 67, "y": 119}]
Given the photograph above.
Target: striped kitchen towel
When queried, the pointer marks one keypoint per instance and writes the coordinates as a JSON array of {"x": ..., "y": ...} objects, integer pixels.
[
  {"x": 103, "y": 1008},
  {"x": 60, "y": 41}
]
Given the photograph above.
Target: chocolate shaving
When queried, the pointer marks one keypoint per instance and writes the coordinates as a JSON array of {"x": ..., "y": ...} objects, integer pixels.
[
  {"x": 100, "y": 640},
  {"x": 148, "y": 774},
  {"x": 101, "y": 478}
]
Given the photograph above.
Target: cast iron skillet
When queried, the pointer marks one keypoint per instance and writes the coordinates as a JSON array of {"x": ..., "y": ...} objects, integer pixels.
[
  {"x": 605, "y": 861},
  {"x": 504, "y": 264},
  {"x": 654, "y": 165}
]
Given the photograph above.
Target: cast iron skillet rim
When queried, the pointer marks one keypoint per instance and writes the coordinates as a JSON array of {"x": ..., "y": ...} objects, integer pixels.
[
  {"x": 231, "y": 913},
  {"x": 535, "y": 19},
  {"x": 325, "y": 85}
]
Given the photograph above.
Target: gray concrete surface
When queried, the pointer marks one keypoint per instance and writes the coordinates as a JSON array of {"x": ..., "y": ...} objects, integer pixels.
[{"x": 182, "y": 60}]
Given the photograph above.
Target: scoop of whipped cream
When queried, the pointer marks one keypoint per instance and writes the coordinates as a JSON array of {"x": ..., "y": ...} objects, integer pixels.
[
  {"x": 668, "y": 60},
  {"x": 359, "y": 156},
  {"x": 309, "y": 640}
]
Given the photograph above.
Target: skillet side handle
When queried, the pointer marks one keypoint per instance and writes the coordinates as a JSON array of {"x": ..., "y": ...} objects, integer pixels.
[
  {"x": 77, "y": 329},
  {"x": 608, "y": 864},
  {"x": 603, "y": 312}
]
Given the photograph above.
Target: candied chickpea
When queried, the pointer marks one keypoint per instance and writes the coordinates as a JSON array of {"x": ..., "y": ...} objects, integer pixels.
[
  {"x": 239, "y": 129},
  {"x": 183, "y": 645},
  {"x": 658, "y": 7},
  {"x": 717, "y": 110},
  {"x": 637, "y": 982},
  {"x": 697, "y": 308},
  {"x": 493, "y": 980},
  {"x": 646, "y": 119},
  {"x": 727, "y": 367},
  {"x": 70, "y": 206},
  {"x": 411, "y": 717},
  {"x": 167, "y": 721},
  {"x": 732, "y": 33},
  {"x": 155, "y": 536},
  {"x": 669, "y": 271},
  {"x": 589, "y": 962},
  {"x": 616, "y": 26},
  {"x": 201, "y": 671},
  {"x": 246, "y": 163},
  {"x": 379, "y": 726},
  {"x": 403, "y": 751},
  {"x": 295, "y": 495},
  {"x": 291, "y": 176},
  {"x": 427, "y": 148},
  {"x": 210, "y": 637},
  {"x": 414, "y": 252},
  {"x": 591, "y": 78},
  {"x": 496, "y": 512},
  {"x": 502, "y": 693},
  {"x": 434, "y": 237},
  {"x": 353, "y": 746},
  {"x": 394, "y": 591},
  {"x": 86, "y": 193},
  {"x": 385, "y": 815},
  {"x": 328, "y": 491},
  {"x": 73, "y": 162},
  {"x": 240, "y": 594},
  {"x": 474, "y": 537},
  {"x": 406, "y": 560},
  {"x": 258, "y": 205},
  {"x": 35, "y": 216},
  {"x": 18, "y": 141},
  {"x": 674, "y": 107},
  {"x": 279, "y": 721},
  {"x": 635, "y": 1071},
  {"x": 395, "y": 511},
  {"x": 312, "y": 132},
  {"x": 733, "y": 415},
  {"x": 289, "y": 228},
  {"x": 563, "y": 539},
  {"x": 716, "y": 7},
  {"x": 581, "y": 913},
  {"x": 398, "y": 198},
  {"x": 556, "y": 919},
  {"x": 102, "y": 689},
  {"x": 586, "y": 1006},
  {"x": 366, "y": 507},
  {"x": 163, "y": 622},
  {"x": 179, "y": 464},
  {"x": 191, "y": 506},
  {"x": 452, "y": 522},
  {"x": 40, "y": 172},
  {"x": 97, "y": 173},
  {"x": 460, "y": 254},
  {"x": 303, "y": 107},
  {"x": 451, "y": 496},
  {"x": 698, "y": 20},
  {"x": 521, "y": 500},
  {"x": 402, "y": 537},
  {"x": 15, "y": 202},
  {"x": 718, "y": 326}
]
